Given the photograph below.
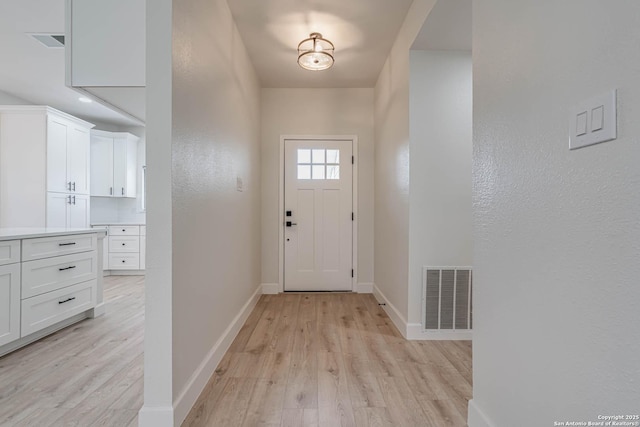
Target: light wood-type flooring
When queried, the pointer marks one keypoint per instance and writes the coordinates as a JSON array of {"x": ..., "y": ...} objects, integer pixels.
[
  {"x": 333, "y": 360},
  {"x": 299, "y": 360},
  {"x": 89, "y": 374}
]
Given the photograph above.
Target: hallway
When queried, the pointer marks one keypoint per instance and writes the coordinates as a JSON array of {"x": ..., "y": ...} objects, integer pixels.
[{"x": 332, "y": 360}]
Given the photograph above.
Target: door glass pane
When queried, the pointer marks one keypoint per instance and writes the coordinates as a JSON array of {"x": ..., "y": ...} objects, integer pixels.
[
  {"x": 333, "y": 156},
  {"x": 333, "y": 172},
  {"x": 304, "y": 171},
  {"x": 318, "y": 171},
  {"x": 304, "y": 156},
  {"x": 318, "y": 157}
]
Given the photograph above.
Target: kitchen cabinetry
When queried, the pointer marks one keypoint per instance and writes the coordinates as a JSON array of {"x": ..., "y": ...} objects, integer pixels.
[
  {"x": 47, "y": 281},
  {"x": 44, "y": 168},
  {"x": 125, "y": 248},
  {"x": 9, "y": 291},
  {"x": 113, "y": 164}
]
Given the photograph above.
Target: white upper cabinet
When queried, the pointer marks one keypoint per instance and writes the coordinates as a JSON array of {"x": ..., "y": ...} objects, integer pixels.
[
  {"x": 113, "y": 164},
  {"x": 67, "y": 156},
  {"x": 44, "y": 167}
]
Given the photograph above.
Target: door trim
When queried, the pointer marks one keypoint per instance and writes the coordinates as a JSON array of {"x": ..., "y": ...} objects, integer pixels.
[{"x": 354, "y": 202}]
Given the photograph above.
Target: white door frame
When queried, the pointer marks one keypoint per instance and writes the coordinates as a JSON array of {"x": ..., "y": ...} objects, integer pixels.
[{"x": 354, "y": 202}]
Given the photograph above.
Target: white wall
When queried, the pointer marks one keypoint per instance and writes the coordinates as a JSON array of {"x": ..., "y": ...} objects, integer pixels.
[
  {"x": 316, "y": 112},
  {"x": 440, "y": 166},
  {"x": 205, "y": 128},
  {"x": 556, "y": 232},
  {"x": 391, "y": 172}
]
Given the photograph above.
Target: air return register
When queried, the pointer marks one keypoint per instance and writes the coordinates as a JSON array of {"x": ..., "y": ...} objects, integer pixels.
[{"x": 446, "y": 299}]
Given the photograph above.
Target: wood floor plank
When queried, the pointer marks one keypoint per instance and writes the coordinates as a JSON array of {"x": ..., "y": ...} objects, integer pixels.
[
  {"x": 334, "y": 402},
  {"x": 373, "y": 417}
]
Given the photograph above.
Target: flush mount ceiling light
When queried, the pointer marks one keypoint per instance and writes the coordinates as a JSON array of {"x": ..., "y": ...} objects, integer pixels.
[{"x": 315, "y": 53}]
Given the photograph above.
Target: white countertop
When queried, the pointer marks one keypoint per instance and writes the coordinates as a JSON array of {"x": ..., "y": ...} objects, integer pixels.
[
  {"x": 33, "y": 232},
  {"x": 104, "y": 224}
]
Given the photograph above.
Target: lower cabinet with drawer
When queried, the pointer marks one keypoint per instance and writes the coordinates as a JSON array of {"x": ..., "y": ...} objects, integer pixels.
[
  {"x": 125, "y": 248},
  {"x": 47, "y": 309},
  {"x": 46, "y": 283}
]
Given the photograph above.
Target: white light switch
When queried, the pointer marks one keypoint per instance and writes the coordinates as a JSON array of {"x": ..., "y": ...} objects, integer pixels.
[
  {"x": 597, "y": 117},
  {"x": 581, "y": 123},
  {"x": 239, "y": 184},
  {"x": 593, "y": 121}
]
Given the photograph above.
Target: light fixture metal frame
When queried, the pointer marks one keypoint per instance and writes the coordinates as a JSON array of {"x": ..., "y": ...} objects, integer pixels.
[{"x": 327, "y": 50}]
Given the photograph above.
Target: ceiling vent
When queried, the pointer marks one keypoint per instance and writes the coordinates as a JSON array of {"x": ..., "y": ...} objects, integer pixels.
[{"x": 50, "y": 40}]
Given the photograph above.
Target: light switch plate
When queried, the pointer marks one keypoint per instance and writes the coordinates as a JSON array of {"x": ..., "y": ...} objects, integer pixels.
[
  {"x": 601, "y": 121},
  {"x": 239, "y": 184}
]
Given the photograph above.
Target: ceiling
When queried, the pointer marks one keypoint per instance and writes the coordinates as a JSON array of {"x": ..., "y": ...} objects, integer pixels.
[
  {"x": 448, "y": 27},
  {"x": 36, "y": 73},
  {"x": 363, "y": 32}
]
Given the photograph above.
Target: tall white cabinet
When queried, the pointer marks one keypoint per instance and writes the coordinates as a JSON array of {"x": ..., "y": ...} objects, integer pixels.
[
  {"x": 113, "y": 164},
  {"x": 44, "y": 168}
]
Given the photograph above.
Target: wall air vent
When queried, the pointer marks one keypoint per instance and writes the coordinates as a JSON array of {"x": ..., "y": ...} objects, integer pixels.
[
  {"x": 446, "y": 295},
  {"x": 49, "y": 40}
]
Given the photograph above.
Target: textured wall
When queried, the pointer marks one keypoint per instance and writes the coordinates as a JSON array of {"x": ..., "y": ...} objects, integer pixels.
[
  {"x": 216, "y": 229},
  {"x": 440, "y": 198},
  {"x": 556, "y": 232},
  {"x": 391, "y": 172}
]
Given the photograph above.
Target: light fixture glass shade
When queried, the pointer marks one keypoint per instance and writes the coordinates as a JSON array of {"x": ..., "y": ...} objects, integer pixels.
[{"x": 315, "y": 53}]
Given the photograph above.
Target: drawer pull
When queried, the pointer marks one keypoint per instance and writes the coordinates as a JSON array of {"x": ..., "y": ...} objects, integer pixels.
[
  {"x": 67, "y": 300},
  {"x": 66, "y": 244},
  {"x": 123, "y": 261},
  {"x": 123, "y": 230},
  {"x": 67, "y": 268},
  {"x": 123, "y": 244}
]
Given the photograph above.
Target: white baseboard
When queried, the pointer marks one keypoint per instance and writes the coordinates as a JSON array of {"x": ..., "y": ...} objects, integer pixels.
[
  {"x": 125, "y": 272},
  {"x": 393, "y": 313},
  {"x": 364, "y": 288},
  {"x": 161, "y": 416},
  {"x": 476, "y": 417},
  {"x": 415, "y": 332},
  {"x": 97, "y": 311},
  {"x": 187, "y": 398},
  {"x": 270, "y": 288}
]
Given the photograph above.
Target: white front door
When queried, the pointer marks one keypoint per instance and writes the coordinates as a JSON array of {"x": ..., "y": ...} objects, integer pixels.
[{"x": 318, "y": 221}]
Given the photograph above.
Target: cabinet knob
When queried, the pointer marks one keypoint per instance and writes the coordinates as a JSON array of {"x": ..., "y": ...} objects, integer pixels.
[
  {"x": 123, "y": 230},
  {"x": 123, "y": 244},
  {"x": 123, "y": 261}
]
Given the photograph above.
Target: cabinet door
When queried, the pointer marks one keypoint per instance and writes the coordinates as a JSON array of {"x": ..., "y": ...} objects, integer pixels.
[
  {"x": 125, "y": 152},
  {"x": 57, "y": 135},
  {"x": 78, "y": 159},
  {"x": 101, "y": 166},
  {"x": 9, "y": 303},
  {"x": 57, "y": 209},
  {"x": 78, "y": 211},
  {"x": 119, "y": 167}
]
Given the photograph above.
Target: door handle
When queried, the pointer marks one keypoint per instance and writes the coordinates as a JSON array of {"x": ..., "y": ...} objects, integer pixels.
[
  {"x": 123, "y": 191},
  {"x": 289, "y": 223},
  {"x": 111, "y": 191},
  {"x": 74, "y": 200},
  {"x": 74, "y": 186}
]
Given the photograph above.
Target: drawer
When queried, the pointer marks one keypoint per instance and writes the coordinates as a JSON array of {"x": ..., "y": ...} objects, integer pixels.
[
  {"x": 46, "y": 247},
  {"x": 9, "y": 252},
  {"x": 124, "y": 244},
  {"x": 47, "y": 309},
  {"x": 124, "y": 261},
  {"x": 143, "y": 230},
  {"x": 50, "y": 274},
  {"x": 124, "y": 230}
]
